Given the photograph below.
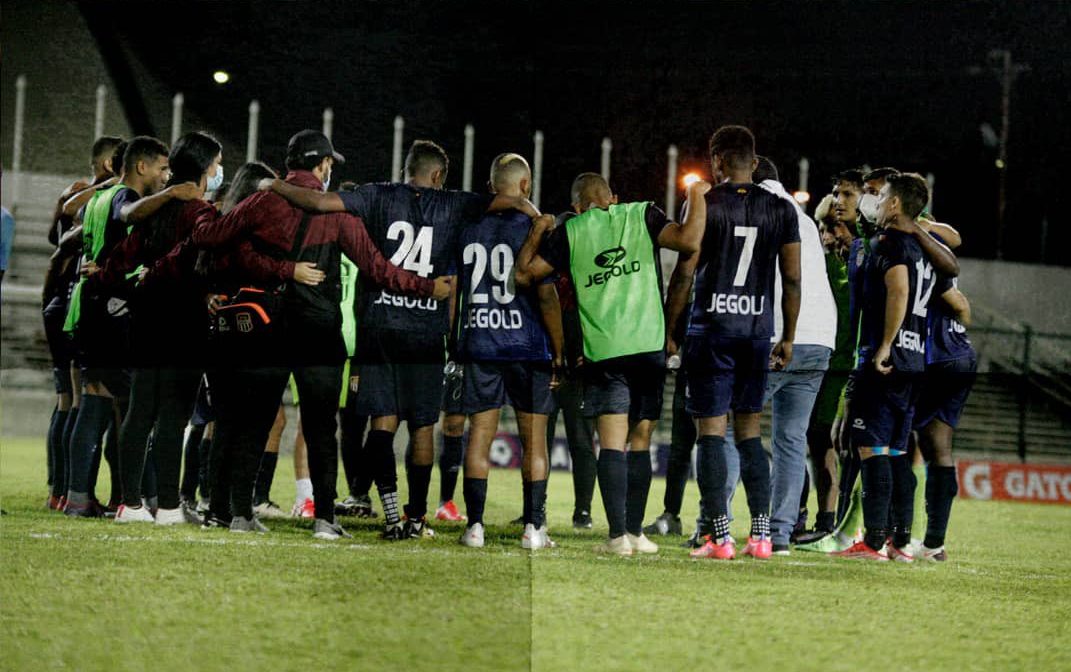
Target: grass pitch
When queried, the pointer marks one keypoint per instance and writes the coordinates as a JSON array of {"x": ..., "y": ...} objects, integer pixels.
[{"x": 94, "y": 595}]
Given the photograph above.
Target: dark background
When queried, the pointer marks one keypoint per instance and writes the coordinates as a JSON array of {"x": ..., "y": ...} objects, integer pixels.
[{"x": 906, "y": 84}]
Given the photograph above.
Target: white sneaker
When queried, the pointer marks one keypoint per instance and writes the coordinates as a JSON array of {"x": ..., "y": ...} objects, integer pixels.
[
  {"x": 130, "y": 514},
  {"x": 170, "y": 516},
  {"x": 535, "y": 538},
  {"x": 329, "y": 530},
  {"x": 269, "y": 509},
  {"x": 641, "y": 544},
  {"x": 615, "y": 546},
  {"x": 472, "y": 536}
]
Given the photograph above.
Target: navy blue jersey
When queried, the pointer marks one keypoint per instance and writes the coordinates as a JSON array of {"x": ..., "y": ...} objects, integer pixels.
[
  {"x": 498, "y": 322},
  {"x": 417, "y": 229},
  {"x": 908, "y": 352},
  {"x": 734, "y": 281},
  {"x": 946, "y": 339}
]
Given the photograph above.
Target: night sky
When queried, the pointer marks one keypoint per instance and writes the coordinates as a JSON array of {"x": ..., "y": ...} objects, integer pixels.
[{"x": 889, "y": 83}]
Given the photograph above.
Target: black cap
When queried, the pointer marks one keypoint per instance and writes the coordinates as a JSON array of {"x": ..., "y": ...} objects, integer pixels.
[{"x": 312, "y": 143}]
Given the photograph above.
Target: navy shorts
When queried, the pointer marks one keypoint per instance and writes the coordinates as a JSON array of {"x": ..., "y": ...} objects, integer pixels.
[
  {"x": 632, "y": 384},
  {"x": 400, "y": 375},
  {"x": 116, "y": 381},
  {"x": 523, "y": 385},
  {"x": 725, "y": 373},
  {"x": 945, "y": 388},
  {"x": 881, "y": 408},
  {"x": 60, "y": 346}
]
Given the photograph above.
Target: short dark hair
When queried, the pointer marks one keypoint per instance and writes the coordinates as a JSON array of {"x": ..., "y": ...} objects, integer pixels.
[
  {"x": 880, "y": 174},
  {"x": 245, "y": 183},
  {"x": 191, "y": 156},
  {"x": 851, "y": 176},
  {"x": 766, "y": 170},
  {"x": 735, "y": 145},
  {"x": 142, "y": 148},
  {"x": 425, "y": 156},
  {"x": 584, "y": 182},
  {"x": 912, "y": 190},
  {"x": 117, "y": 157},
  {"x": 105, "y": 146}
]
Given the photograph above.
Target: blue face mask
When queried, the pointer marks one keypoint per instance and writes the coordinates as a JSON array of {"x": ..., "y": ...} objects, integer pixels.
[{"x": 216, "y": 181}]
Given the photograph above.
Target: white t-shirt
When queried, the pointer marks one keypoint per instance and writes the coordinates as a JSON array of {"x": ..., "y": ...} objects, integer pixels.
[{"x": 817, "y": 323}]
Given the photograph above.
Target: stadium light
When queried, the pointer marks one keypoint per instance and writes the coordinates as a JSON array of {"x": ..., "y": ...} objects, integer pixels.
[
  {"x": 690, "y": 179},
  {"x": 802, "y": 197},
  {"x": 221, "y": 76}
]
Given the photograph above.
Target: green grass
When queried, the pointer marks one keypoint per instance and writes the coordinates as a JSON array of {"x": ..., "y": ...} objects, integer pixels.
[{"x": 91, "y": 595}]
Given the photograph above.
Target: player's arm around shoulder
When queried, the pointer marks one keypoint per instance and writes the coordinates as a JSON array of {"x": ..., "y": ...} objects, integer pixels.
[
  {"x": 530, "y": 268},
  {"x": 688, "y": 236},
  {"x": 311, "y": 200},
  {"x": 897, "y": 286}
]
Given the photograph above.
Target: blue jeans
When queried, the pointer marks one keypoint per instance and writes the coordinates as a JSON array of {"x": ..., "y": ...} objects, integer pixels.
[{"x": 792, "y": 392}]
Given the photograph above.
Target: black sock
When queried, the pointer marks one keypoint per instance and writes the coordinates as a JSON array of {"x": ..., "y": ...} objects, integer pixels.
[
  {"x": 265, "y": 477},
  {"x": 58, "y": 468},
  {"x": 419, "y": 478},
  {"x": 50, "y": 442},
  {"x": 613, "y": 485},
  {"x": 755, "y": 472},
  {"x": 449, "y": 466},
  {"x": 941, "y": 489},
  {"x": 68, "y": 432},
  {"x": 204, "y": 481},
  {"x": 710, "y": 467},
  {"x": 475, "y": 493},
  {"x": 903, "y": 498},
  {"x": 825, "y": 521},
  {"x": 93, "y": 418},
  {"x": 538, "y": 490},
  {"x": 849, "y": 472},
  {"x": 380, "y": 448},
  {"x": 526, "y": 501},
  {"x": 877, "y": 493},
  {"x": 639, "y": 484}
]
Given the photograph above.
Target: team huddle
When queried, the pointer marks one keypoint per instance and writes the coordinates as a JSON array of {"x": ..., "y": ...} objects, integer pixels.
[{"x": 174, "y": 299}]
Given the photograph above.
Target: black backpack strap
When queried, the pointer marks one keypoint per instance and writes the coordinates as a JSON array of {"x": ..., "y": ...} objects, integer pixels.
[{"x": 299, "y": 237}]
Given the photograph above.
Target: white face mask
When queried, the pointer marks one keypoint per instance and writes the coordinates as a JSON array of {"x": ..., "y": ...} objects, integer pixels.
[
  {"x": 868, "y": 207},
  {"x": 216, "y": 181},
  {"x": 327, "y": 180}
]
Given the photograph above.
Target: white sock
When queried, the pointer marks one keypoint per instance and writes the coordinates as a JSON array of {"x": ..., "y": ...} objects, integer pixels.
[{"x": 304, "y": 489}]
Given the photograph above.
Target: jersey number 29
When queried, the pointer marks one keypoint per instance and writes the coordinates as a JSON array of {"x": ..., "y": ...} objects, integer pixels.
[{"x": 501, "y": 271}]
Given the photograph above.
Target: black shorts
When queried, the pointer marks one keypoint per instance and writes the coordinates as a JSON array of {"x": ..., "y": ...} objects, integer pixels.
[
  {"x": 60, "y": 347},
  {"x": 724, "y": 373},
  {"x": 632, "y": 384},
  {"x": 881, "y": 408},
  {"x": 945, "y": 388},
  {"x": 523, "y": 385},
  {"x": 400, "y": 375}
]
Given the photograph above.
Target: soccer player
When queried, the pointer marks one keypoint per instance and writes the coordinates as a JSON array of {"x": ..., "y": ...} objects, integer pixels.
[
  {"x": 506, "y": 342},
  {"x": 611, "y": 252},
  {"x": 311, "y": 344},
  {"x": 891, "y": 353},
  {"x": 951, "y": 365},
  {"x": 62, "y": 272},
  {"x": 401, "y": 341},
  {"x": 100, "y": 323},
  {"x": 749, "y": 232}
]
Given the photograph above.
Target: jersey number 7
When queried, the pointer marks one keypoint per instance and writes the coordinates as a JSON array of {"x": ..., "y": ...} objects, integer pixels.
[{"x": 749, "y": 234}]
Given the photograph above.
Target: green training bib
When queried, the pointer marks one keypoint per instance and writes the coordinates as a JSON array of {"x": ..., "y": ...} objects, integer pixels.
[{"x": 611, "y": 257}]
